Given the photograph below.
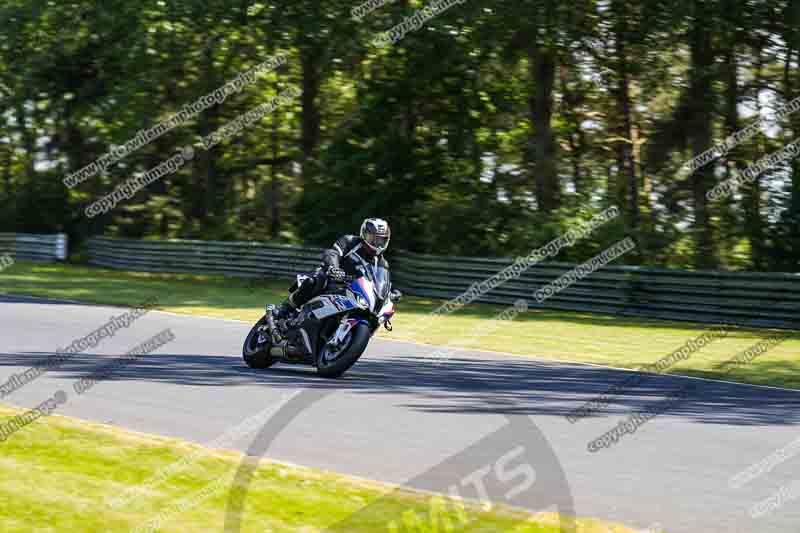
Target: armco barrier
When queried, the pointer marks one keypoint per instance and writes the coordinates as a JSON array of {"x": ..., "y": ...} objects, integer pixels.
[
  {"x": 742, "y": 298},
  {"x": 242, "y": 259},
  {"x": 30, "y": 247},
  {"x": 749, "y": 299}
]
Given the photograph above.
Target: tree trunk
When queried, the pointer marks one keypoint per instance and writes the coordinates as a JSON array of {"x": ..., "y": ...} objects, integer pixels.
[
  {"x": 701, "y": 75},
  {"x": 205, "y": 200},
  {"x": 577, "y": 138},
  {"x": 27, "y": 207},
  {"x": 792, "y": 247},
  {"x": 9, "y": 153},
  {"x": 751, "y": 195},
  {"x": 729, "y": 217},
  {"x": 543, "y": 76},
  {"x": 275, "y": 186},
  {"x": 628, "y": 184},
  {"x": 310, "y": 119}
]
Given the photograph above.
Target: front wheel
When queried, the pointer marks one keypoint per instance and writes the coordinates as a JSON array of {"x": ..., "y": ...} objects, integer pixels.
[
  {"x": 333, "y": 365},
  {"x": 255, "y": 353}
]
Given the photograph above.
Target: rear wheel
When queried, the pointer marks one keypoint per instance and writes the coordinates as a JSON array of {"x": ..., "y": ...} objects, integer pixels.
[
  {"x": 255, "y": 351},
  {"x": 334, "y": 364}
]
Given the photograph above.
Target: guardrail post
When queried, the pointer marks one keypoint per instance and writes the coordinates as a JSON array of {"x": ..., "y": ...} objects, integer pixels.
[
  {"x": 632, "y": 287},
  {"x": 61, "y": 246},
  {"x": 636, "y": 287}
]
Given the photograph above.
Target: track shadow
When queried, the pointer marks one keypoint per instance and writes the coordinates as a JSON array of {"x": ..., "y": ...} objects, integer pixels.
[{"x": 458, "y": 385}]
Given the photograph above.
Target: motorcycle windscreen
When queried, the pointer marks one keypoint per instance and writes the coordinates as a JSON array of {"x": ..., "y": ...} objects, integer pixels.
[{"x": 382, "y": 282}]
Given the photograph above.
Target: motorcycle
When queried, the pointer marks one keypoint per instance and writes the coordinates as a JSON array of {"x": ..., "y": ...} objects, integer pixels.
[{"x": 329, "y": 332}]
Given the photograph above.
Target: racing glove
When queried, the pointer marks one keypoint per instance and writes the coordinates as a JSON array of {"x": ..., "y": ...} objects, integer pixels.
[{"x": 336, "y": 273}]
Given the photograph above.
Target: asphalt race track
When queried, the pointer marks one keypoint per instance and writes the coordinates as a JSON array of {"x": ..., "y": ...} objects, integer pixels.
[{"x": 400, "y": 412}]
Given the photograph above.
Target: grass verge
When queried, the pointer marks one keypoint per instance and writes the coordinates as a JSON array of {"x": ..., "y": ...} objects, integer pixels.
[
  {"x": 60, "y": 474},
  {"x": 565, "y": 336}
]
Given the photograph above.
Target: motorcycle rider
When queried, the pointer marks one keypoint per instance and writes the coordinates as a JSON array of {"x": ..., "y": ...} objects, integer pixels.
[{"x": 337, "y": 263}]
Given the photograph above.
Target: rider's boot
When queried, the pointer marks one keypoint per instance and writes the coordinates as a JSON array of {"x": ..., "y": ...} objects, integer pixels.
[{"x": 285, "y": 310}]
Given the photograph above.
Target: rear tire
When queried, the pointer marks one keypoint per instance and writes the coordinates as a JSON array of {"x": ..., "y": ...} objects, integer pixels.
[
  {"x": 359, "y": 338},
  {"x": 254, "y": 356}
]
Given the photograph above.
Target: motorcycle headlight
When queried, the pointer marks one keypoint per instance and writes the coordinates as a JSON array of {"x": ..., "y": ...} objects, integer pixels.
[{"x": 362, "y": 301}]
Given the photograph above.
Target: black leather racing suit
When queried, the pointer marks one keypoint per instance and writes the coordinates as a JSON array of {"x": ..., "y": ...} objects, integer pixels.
[{"x": 341, "y": 255}]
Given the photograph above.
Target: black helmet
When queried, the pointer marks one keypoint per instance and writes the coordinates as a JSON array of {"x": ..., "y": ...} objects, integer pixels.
[{"x": 375, "y": 233}]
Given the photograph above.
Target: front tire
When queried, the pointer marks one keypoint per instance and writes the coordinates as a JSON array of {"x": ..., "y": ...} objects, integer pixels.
[
  {"x": 359, "y": 338},
  {"x": 257, "y": 356}
]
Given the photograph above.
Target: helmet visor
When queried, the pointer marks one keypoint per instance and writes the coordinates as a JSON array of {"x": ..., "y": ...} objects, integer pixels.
[{"x": 377, "y": 242}]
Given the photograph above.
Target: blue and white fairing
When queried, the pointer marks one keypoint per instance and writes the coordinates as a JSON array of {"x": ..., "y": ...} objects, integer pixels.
[
  {"x": 330, "y": 304},
  {"x": 369, "y": 292}
]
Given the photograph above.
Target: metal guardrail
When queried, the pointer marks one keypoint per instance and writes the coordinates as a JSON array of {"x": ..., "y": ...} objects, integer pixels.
[
  {"x": 749, "y": 299},
  {"x": 30, "y": 247},
  {"x": 241, "y": 259},
  {"x": 742, "y": 298}
]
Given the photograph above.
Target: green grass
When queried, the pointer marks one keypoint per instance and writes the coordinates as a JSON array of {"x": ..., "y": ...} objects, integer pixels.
[
  {"x": 600, "y": 339},
  {"x": 60, "y": 475}
]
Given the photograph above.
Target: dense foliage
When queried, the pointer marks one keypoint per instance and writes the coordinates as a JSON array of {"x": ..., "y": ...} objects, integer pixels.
[{"x": 487, "y": 131}]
